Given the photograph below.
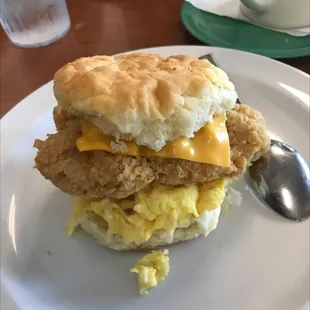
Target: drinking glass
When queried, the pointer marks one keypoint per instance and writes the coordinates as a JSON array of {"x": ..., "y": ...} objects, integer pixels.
[{"x": 34, "y": 23}]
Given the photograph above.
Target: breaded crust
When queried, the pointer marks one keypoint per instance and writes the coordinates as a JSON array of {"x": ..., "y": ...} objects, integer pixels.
[{"x": 97, "y": 174}]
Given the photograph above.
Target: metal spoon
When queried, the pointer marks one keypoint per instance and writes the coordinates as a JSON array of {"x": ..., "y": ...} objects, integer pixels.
[{"x": 281, "y": 178}]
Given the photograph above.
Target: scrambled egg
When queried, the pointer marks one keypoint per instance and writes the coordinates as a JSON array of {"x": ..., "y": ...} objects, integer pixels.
[
  {"x": 151, "y": 269},
  {"x": 158, "y": 210},
  {"x": 80, "y": 205}
]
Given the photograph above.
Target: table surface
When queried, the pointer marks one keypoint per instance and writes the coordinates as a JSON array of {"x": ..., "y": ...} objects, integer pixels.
[{"x": 98, "y": 27}]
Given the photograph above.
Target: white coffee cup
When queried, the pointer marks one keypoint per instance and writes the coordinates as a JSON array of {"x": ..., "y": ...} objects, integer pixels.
[{"x": 282, "y": 14}]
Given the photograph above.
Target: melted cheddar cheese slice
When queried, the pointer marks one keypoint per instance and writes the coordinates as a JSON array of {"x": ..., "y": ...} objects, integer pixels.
[{"x": 210, "y": 145}]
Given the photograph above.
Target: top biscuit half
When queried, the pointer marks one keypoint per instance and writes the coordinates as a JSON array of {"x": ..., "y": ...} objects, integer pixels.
[{"x": 146, "y": 98}]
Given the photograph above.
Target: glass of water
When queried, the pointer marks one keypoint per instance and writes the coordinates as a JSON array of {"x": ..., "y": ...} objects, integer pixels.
[{"x": 34, "y": 23}]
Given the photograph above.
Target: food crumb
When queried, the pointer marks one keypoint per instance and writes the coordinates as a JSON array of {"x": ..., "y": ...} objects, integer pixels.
[
  {"x": 151, "y": 269},
  {"x": 49, "y": 253}
]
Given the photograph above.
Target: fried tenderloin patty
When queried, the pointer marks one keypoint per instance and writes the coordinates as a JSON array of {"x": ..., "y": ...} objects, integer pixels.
[{"x": 97, "y": 174}]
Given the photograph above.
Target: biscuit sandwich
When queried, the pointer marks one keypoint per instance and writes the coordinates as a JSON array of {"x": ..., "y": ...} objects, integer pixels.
[{"x": 148, "y": 146}]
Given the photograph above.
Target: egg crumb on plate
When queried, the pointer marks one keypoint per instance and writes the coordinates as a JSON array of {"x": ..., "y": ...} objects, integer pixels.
[{"x": 151, "y": 269}]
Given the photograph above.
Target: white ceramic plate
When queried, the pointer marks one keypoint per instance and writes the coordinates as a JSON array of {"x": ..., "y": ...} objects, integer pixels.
[{"x": 254, "y": 260}]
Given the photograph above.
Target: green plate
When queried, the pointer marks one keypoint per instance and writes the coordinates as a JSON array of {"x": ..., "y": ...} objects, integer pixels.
[{"x": 227, "y": 32}]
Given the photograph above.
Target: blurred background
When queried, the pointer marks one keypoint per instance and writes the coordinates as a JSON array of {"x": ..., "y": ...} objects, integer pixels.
[{"x": 114, "y": 26}]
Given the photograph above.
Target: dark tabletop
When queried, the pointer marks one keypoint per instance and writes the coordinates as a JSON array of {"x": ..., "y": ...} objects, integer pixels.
[{"x": 98, "y": 27}]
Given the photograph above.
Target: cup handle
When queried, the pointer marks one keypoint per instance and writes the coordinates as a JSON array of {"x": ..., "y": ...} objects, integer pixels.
[{"x": 258, "y": 6}]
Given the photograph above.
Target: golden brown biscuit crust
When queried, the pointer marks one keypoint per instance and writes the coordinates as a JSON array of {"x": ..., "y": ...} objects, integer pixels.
[
  {"x": 147, "y": 84},
  {"x": 145, "y": 97}
]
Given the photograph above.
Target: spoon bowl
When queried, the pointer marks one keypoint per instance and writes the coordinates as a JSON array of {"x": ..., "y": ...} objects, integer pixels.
[{"x": 281, "y": 179}]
